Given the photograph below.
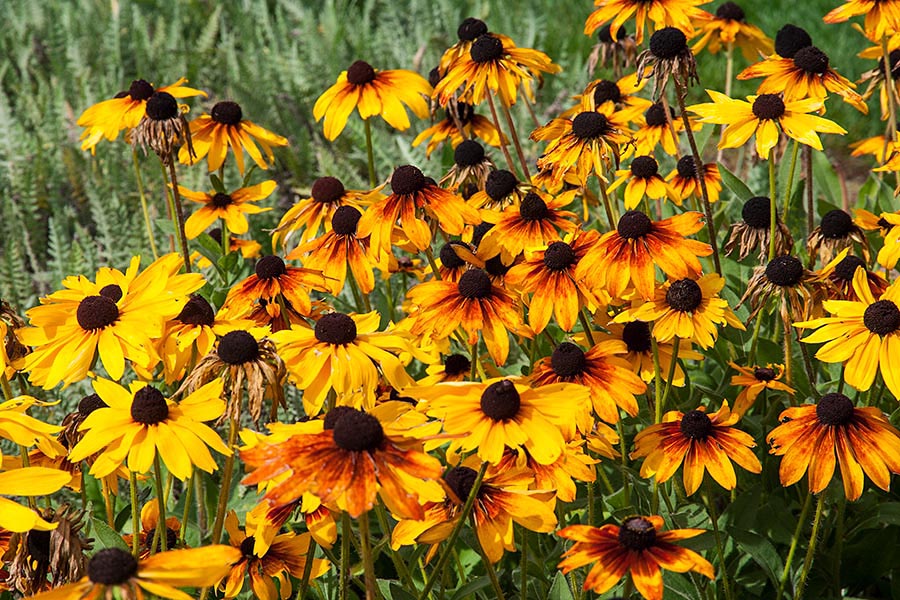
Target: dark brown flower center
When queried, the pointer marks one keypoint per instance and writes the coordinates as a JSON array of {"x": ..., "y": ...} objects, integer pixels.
[
  {"x": 140, "y": 90},
  {"x": 811, "y": 60},
  {"x": 500, "y": 401},
  {"x": 247, "y": 546},
  {"x": 644, "y": 167},
  {"x": 468, "y": 154},
  {"x": 656, "y": 115},
  {"x": 406, "y": 180},
  {"x": 474, "y": 284},
  {"x": 895, "y": 64},
  {"x": 667, "y": 43},
  {"x": 470, "y": 29},
  {"x": 607, "y": 91},
  {"x": 111, "y": 566},
  {"x": 220, "y": 200},
  {"x": 637, "y": 533},
  {"x": 784, "y": 271},
  {"x": 449, "y": 258},
  {"x": 636, "y": 335},
  {"x": 533, "y": 207},
  {"x": 196, "y": 311},
  {"x": 457, "y": 364},
  {"x": 836, "y": 224},
  {"x": 89, "y": 404},
  {"x": 603, "y": 34},
  {"x": 227, "y": 113},
  {"x": 684, "y": 295},
  {"x": 464, "y": 112},
  {"x": 327, "y": 190},
  {"x": 500, "y": 184},
  {"x": 756, "y": 212},
  {"x": 479, "y": 230},
  {"x": 567, "y": 360},
  {"x": 162, "y": 106},
  {"x": 846, "y": 269},
  {"x": 461, "y": 480},
  {"x": 111, "y": 291},
  {"x": 270, "y": 267},
  {"x": 335, "y": 328},
  {"x": 96, "y": 312},
  {"x": 152, "y": 544},
  {"x": 589, "y": 125},
  {"x": 559, "y": 256},
  {"x": 495, "y": 267},
  {"x": 730, "y": 11},
  {"x": 790, "y": 39},
  {"x": 336, "y": 414},
  {"x": 238, "y": 347},
  {"x": 696, "y": 425},
  {"x": 345, "y": 219},
  {"x": 39, "y": 545},
  {"x": 686, "y": 167},
  {"x": 486, "y": 48},
  {"x": 764, "y": 373},
  {"x": 149, "y": 406},
  {"x": 834, "y": 409},
  {"x": 882, "y": 317},
  {"x": 768, "y": 107},
  {"x": 434, "y": 76},
  {"x": 360, "y": 73},
  {"x": 633, "y": 225},
  {"x": 358, "y": 432}
]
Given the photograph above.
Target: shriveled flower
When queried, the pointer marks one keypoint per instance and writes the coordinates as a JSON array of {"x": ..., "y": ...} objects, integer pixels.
[
  {"x": 667, "y": 56},
  {"x": 639, "y": 547},
  {"x": 619, "y": 50},
  {"x": 787, "y": 279},
  {"x": 753, "y": 381},
  {"x": 12, "y": 351},
  {"x": 728, "y": 27},
  {"x": 834, "y": 233},
  {"x": 751, "y": 233},
  {"x": 470, "y": 170},
  {"x": 701, "y": 443},
  {"x": 810, "y": 436},
  {"x": 231, "y": 207},
  {"x": 163, "y": 128}
]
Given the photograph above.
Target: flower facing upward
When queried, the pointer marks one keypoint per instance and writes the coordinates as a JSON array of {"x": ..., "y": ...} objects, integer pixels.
[
  {"x": 231, "y": 207},
  {"x": 372, "y": 92},
  {"x": 701, "y": 442},
  {"x": 762, "y": 115},
  {"x": 663, "y": 13},
  {"x": 729, "y": 28},
  {"x": 754, "y": 381},
  {"x": 224, "y": 127},
  {"x": 628, "y": 254},
  {"x": 357, "y": 457},
  {"x": 108, "y": 118},
  {"x": 638, "y": 546},
  {"x": 139, "y": 423},
  {"x": 115, "y": 573},
  {"x": 811, "y": 435}
]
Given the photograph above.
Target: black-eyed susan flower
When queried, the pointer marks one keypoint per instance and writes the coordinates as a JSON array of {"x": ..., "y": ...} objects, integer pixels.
[
  {"x": 639, "y": 547},
  {"x": 475, "y": 303},
  {"x": 225, "y": 127},
  {"x": 668, "y": 55},
  {"x": 687, "y": 309},
  {"x": 414, "y": 196},
  {"x": 503, "y": 498},
  {"x": 790, "y": 39},
  {"x": 501, "y": 189},
  {"x": 461, "y": 122},
  {"x": 813, "y": 437},
  {"x": 751, "y": 233},
  {"x": 785, "y": 278},
  {"x": 470, "y": 170},
  {"x": 882, "y": 16},
  {"x": 11, "y": 349},
  {"x": 140, "y": 423},
  {"x": 654, "y": 130},
  {"x": 835, "y": 232},
  {"x": 494, "y": 65},
  {"x": 453, "y": 367},
  {"x": 619, "y": 97},
  {"x": 310, "y": 215},
  {"x": 805, "y": 75},
  {"x": 612, "y": 383},
  {"x": 663, "y": 13},
  {"x": 123, "y": 112},
  {"x": 698, "y": 442},
  {"x": 643, "y": 180},
  {"x": 876, "y": 79},
  {"x": 629, "y": 254},
  {"x": 684, "y": 180},
  {"x": 762, "y": 115},
  {"x": 455, "y": 258},
  {"x": 115, "y": 573},
  {"x": 373, "y": 93},
  {"x": 863, "y": 334},
  {"x": 489, "y": 416},
  {"x": 881, "y": 147},
  {"x": 30, "y": 482},
  {"x": 753, "y": 381},
  {"x": 284, "y": 558},
  {"x": 549, "y": 276},
  {"x": 343, "y": 353},
  {"x": 231, "y": 207},
  {"x": 150, "y": 535},
  {"x": 728, "y": 27},
  {"x": 838, "y": 277},
  {"x": 358, "y": 457},
  {"x": 572, "y": 465},
  {"x": 115, "y": 317}
]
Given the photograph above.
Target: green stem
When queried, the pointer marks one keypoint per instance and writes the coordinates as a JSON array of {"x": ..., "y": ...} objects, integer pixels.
[
  {"x": 368, "y": 563},
  {"x": 307, "y": 569},
  {"x": 399, "y": 564},
  {"x": 675, "y": 344},
  {"x": 358, "y": 293},
  {"x": 161, "y": 528},
  {"x": 723, "y": 569},
  {"x": 810, "y": 199},
  {"x": 135, "y": 515},
  {"x": 143, "y": 197},
  {"x": 433, "y": 263},
  {"x": 4, "y": 383},
  {"x": 620, "y": 429},
  {"x": 811, "y": 550},
  {"x": 751, "y": 356},
  {"x": 370, "y": 154},
  {"x": 345, "y": 557},
  {"x": 607, "y": 205},
  {"x": 516, "y": 142},
  {"x": 463, "y": 517},
  {"x": 474, "y": 361},
  {"x": 657, "y": 381},
  {"x": 506, "y": 154},
  {"x": 790, "y": 181},
  {"x": 226, "y": 238},
  {"x": 785, "y": 574},
  {"x": 888, "y": 88},
  {"x": 188, "y": 492},
  {"x": 176, "y": 208},
  {"x": 773, "y": 202},
  {"x": 586, "y": 325},
  {"x": 523, "y": 568},
  {"x": 227, "y": 473}
]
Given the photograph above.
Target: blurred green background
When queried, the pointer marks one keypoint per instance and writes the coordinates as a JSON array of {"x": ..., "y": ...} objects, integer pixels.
[{"x": 63, "y": 211}]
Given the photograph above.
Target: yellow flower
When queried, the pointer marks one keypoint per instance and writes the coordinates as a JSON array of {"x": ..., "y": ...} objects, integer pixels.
[
  {"x": 231, "y": 207},
  {"x": 28, "y": 481}
]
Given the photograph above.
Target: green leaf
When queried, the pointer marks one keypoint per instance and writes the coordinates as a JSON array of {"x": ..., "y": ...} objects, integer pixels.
[
  {"x": 761, "y": 550},
  {"x": 107, "y": 537},
  {"x": 391, "y": 590},
  {"x": 560, "y": 589},
  {"x": 737, "y": 187},
  {"x": 471, "y": 587}
]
